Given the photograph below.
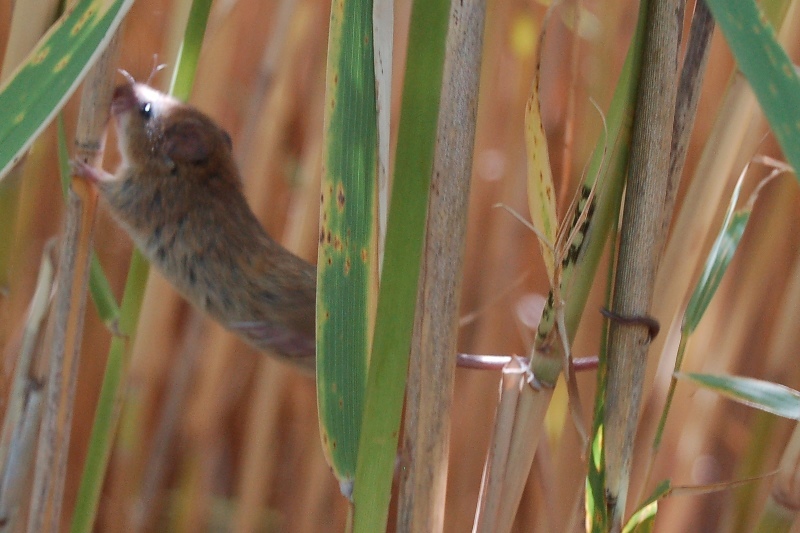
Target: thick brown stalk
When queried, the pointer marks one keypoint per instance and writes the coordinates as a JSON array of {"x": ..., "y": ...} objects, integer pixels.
[
  {"x": 640, "y": 245},
  {"x": 70, "y": 303},
  {"x": 688, "y": 97},
  {"x": 433, "y": 354}
]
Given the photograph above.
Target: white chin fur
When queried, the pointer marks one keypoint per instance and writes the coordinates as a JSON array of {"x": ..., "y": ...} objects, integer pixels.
[{"x": 158, "y": 100}]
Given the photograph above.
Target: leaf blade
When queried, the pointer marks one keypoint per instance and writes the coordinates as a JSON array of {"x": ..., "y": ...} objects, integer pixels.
[
  {"x": 767, "y": 68},
  {"x": 764, "y": 395},
  {"x": 347, "y": 249},
  {"x": 41, "y": 85}
]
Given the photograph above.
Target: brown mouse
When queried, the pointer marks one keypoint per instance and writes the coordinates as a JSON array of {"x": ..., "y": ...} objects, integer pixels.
[{"x": 178, "y": 194}]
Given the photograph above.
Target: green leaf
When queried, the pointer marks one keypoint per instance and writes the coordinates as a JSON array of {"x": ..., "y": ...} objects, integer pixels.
[
  {"x": 644, "y": 518},
  {"x": 183, "y": 78},
  {"x": 347, "y": 254},
  {"x": 398, "y": 291},
  {"x": 719, "y": 257},
  {"x": 596, "y": 505},
  {"x": 765, "y": 395},
  {"x": 767, "y": 67},
  {"x": 49, "y": 75}
]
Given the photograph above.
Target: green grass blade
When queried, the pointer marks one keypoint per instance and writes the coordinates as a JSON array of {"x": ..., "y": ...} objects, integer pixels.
[
  {"x": 644, "y": 518},
  {"x": 596, "y": 508},
  {"x": 49, "y": 75},
  {"x": 716, "y": 265},
  {"x": 398, "y": 292},
  {"x": 764, "y": 395},
  {"x": 768, "y": 69},
  {"x": 722, "y": 251},
  {"x": 183, "y": 77},
  {"x": 347, "y": 255},
  {"x": 719, "y": 257},
  {"x": 108, "y": 405},
  {"x": 103, "y": 296}
]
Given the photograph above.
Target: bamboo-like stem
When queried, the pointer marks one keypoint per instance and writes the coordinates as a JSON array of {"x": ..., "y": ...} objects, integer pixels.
[
  {"x": 23, "y": 412},
  {"x": 488, "y": 515},
  {"x": 640, "y": 244},
  {"x": 688, "y": 97},
  {"x": 433, "y": 354},
  {"x": 70, "y": 302},
  {"x": 694, "y": 68},
  {"x": 531, "y": 408}
]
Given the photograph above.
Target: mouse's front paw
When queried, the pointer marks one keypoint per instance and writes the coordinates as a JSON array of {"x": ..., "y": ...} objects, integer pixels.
[{"x": 86, "y": 171}]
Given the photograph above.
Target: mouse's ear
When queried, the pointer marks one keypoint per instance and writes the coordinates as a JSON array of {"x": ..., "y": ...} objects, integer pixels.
[{"x": 188, "y": 140}]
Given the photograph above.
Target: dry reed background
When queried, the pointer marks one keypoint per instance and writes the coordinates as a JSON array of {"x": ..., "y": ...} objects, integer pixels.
[{"x": 227, "y": 438}]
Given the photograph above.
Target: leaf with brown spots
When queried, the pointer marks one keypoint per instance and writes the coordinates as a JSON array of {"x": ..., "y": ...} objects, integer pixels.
[{"x": 541, "y": 193}]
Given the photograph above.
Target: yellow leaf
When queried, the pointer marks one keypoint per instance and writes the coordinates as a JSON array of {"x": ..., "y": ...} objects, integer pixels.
[{"x": 541, "y": 193}]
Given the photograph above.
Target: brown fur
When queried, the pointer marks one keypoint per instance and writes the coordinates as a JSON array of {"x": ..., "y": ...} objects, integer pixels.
[{"x": 178, "y": 194}]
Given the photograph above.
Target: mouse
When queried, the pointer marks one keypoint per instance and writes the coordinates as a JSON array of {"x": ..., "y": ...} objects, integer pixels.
[{"x": 178, "y": 193}]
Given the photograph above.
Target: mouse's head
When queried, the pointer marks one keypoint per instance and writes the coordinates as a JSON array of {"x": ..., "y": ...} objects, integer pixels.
[{"x": 159, "y": 132}]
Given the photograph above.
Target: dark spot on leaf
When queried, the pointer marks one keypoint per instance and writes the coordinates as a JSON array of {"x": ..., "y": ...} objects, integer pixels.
[{"x": 340, "y": 199}]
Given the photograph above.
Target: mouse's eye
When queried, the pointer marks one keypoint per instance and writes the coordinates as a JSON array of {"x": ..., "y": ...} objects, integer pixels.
[{"x": 146, "y": 110}]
